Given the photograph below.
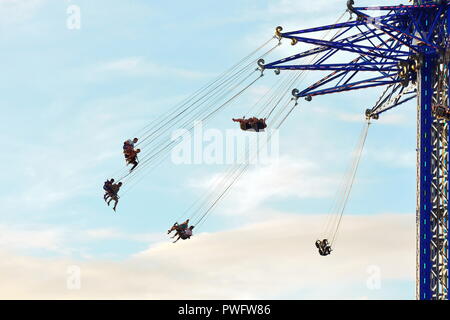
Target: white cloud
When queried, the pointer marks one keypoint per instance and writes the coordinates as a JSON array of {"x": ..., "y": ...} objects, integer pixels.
[
  {"x": 138, "y": 66},
  {"x": 104, "y": 234},
  {"x": 64, "y": 161},
  {"x": 18, "y": 11},
  {"x": 281, "y": 179},
  {"x": 394, "y": 158},
  {"x": 18, "y": 238},
  {"x": 386, "y": 119},
  {"x": 270, "y": 260},
  {"x": 65, "y": 240},
  {"x": 114, "y": 234},
  {"x": 350, "y": 117},
  {"x": 127, "y": 65},
  {"x": 396, "y": 117},
  {"x": 393, "y": 118},
  {"x": 54, "y": 173},
  {"x": 292, "y": 7}
]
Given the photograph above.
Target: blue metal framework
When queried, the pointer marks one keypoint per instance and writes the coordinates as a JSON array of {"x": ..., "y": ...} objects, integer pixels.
[{"x": 405, "y": 48}]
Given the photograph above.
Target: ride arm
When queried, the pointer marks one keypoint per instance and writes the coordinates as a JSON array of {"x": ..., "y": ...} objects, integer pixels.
[{"x": 394, "y": 96}]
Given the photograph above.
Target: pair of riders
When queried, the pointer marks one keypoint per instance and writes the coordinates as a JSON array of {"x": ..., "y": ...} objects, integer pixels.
[
  {"x": 111, "y": 192},
  {"x": 183, "y": 231},
  {"x": 112, "y": 189},
  {"x": 252, "y": 123},
  {"x": 130, "y": 153},
  {"x": 324, "y": 247}
]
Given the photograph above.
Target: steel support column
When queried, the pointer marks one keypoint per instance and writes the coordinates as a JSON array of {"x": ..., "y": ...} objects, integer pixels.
[
  {"x": 433, "y": 143},
  {"x": 424, "y": 178}
]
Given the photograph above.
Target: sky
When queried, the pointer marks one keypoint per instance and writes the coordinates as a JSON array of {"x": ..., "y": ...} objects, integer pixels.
[{"x": 71, "y": 96}]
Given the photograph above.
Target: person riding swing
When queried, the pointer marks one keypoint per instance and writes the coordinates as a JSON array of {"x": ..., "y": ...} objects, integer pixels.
[
  {"x": 324, "y": 247},
  {"x": 129, "y": 144},
  {"x": 131, "y": 158},
  {"x": 107, "y": 188},
  {"x": 186, "y": 234},
  {"x": 243, "y": 123},
  {"x": 113, "y": 195},
  {"x": 252, "y": 123},
  {"x": 178, "y": 227},
  {"x": 183, "y": 231}
]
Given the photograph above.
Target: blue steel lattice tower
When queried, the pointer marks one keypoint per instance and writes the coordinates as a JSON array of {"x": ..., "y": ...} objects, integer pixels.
[
  {"x": 406, "y": 49},
  {"x": 433, "y": 165}
]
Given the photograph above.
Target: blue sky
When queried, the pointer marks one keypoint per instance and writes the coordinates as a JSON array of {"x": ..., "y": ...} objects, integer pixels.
[{"x": 70, "y": 97}]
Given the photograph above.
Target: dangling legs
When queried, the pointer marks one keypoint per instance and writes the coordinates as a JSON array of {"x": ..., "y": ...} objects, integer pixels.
[
  {"x": 174, "y": 227},
  {"x": 134, "y": 163},
  {"x": 179, "y": 237},
  {"x": 116, "y": 201},
  {"x": 176, "y": 234},
  {"x": 115, "y": 204}
]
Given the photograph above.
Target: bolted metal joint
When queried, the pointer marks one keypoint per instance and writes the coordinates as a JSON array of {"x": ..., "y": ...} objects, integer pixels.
[{"x": 371, "y": 116}]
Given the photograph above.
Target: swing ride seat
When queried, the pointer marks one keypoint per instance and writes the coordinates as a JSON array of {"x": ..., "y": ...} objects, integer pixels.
[
  {"x": 255, "y": 130},
  {"x": 184, "y": 236},
  {"x": 259, "y": 126},
  {"x": 324, "y": 247},
  {"x": 186, "y": 233}
]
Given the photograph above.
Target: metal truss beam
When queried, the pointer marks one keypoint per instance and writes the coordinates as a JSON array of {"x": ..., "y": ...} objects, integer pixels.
[{"x": 394, "y": 96}]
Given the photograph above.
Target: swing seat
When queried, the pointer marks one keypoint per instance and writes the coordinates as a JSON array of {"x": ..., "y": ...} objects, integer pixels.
[
  {"x": 253, "y": 130},
  {"x": 324, "y": 247},
  {"x": 259, "y": 127}
]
